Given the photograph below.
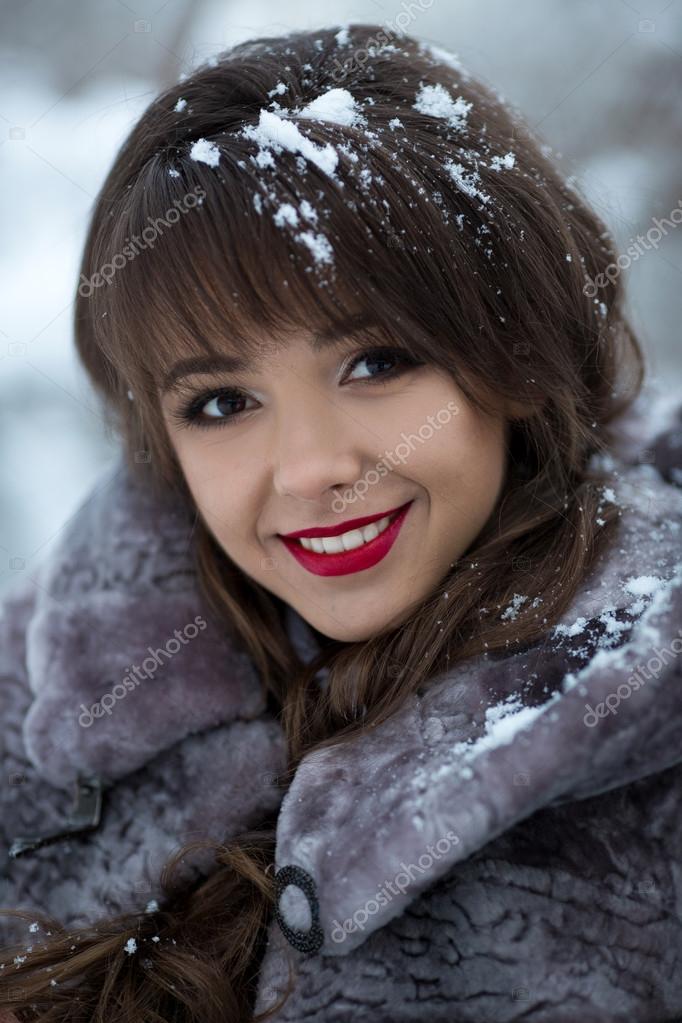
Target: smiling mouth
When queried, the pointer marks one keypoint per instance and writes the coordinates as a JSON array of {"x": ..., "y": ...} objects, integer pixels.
[
  {"x": 353, "y": 551},
  {"x": 348, "y": 541}
]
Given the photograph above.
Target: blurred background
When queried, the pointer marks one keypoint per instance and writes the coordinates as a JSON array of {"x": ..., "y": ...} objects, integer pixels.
[{"x": 599, "y": 82}]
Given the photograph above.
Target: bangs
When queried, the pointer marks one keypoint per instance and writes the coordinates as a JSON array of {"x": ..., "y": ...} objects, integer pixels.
[{"x": 252, "y": 254}]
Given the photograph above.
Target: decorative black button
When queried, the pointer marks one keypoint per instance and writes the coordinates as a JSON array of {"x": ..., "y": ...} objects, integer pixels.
[
  {"x": 309, "y": 941},
  {"x": 85, "y": 816}
]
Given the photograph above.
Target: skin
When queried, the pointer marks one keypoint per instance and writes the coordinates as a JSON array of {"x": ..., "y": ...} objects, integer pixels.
[{"x": 312, "y": 426}]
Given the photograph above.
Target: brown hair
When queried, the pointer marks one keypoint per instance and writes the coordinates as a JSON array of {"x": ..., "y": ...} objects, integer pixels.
[{"x": 449, "y": 226}]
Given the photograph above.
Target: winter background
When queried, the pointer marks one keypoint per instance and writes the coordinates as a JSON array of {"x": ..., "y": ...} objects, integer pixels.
[{"x": 600, "y": 82}]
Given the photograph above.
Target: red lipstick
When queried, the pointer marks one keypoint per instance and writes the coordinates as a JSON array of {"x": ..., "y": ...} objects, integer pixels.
[{"x": 345, "y": 562}]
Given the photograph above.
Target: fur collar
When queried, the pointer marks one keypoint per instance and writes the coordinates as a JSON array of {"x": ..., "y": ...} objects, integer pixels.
[{"x": 366, "y": 826}]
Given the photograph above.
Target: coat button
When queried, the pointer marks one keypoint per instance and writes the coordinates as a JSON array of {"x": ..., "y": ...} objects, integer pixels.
[
  {"x": 85, "y": 816},
  {"x": 309, "y": 941}
]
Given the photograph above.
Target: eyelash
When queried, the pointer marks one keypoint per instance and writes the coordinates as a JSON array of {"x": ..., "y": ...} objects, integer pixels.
[{"x": 190, "y": 413}]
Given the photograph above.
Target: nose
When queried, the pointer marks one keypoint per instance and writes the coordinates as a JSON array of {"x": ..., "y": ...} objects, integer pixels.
[{"x": 317, "y": 449}]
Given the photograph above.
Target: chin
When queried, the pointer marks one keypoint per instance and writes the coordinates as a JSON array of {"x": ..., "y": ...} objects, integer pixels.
[
  {"x": 351, "y": 632},
  {"x": 340, "y": 634}
]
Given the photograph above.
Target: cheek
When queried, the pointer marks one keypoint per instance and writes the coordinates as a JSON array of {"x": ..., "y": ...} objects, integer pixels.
[
  {"x": 218, "y": 483},
  {"x": 466, "y": 466},
  {"x": 484, "y": 459}
]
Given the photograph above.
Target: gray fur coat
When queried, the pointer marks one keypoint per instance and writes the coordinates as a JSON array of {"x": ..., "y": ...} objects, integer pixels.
[{"x": 507, "y": 847}]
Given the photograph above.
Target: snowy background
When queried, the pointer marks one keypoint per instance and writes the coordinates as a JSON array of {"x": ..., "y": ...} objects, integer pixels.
[{"x": 600, "y": 82}]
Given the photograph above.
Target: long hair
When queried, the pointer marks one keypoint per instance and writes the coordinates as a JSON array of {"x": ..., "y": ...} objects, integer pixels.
[{"x": 427, "y": 211}]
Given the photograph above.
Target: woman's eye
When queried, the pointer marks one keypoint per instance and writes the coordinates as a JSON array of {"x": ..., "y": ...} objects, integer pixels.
[
  {"x": 223, "y": 407},
  {"x": 396, "y": 360},
  {"x": 216, "y": 409}
]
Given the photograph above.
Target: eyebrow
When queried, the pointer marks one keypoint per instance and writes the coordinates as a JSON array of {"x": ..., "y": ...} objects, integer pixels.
[{"x": 240, "y": 364}]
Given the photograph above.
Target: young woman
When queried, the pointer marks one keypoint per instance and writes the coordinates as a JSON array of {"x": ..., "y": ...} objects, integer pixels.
[{"x": 359, "y": 665}]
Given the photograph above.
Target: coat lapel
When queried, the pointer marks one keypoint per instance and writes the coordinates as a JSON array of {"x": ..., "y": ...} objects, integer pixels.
[{"x": 368, "y": 825}]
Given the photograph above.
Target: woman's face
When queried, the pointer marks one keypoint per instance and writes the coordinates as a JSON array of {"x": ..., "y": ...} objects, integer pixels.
[{"x": 312, "y": 437}]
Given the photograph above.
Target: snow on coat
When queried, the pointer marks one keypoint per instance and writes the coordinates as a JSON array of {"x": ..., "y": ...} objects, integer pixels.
[{"x": 507, "y": 846}]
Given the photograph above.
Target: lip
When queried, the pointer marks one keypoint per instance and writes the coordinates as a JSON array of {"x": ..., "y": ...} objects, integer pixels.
[
  {"x": 340, "y": 527},
  {"x": 357, "y": 560}
]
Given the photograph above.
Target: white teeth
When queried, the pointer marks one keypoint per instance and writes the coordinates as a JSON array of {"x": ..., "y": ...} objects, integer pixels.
[{"x": 346, "y": 541}]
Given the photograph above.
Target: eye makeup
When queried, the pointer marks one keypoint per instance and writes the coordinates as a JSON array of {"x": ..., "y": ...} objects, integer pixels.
[{"x": 192, "y": 410}]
